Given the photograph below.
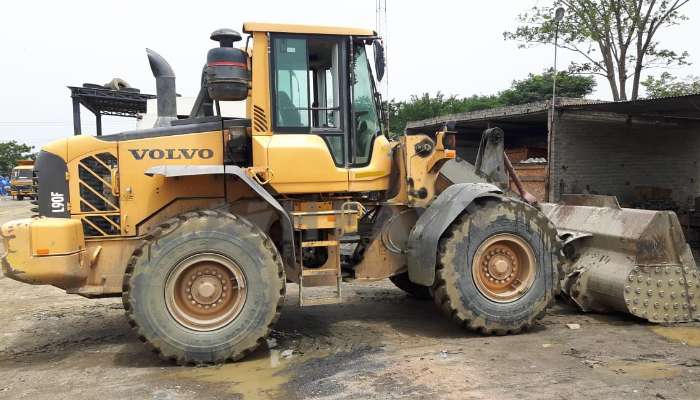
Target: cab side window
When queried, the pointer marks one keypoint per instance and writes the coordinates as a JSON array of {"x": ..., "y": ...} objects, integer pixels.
[
  {"x": 292, "y": 85},
  {"x": 308, "y": 73}
]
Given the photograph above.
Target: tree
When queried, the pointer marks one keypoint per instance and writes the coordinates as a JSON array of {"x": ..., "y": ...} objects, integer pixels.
[
  {"x": 10, "y": 153},
  {"x": 539, "y": 87},
  {"x": 616, "y": 38},
  {"x": 667, "y": 85},
  {"x": 535, "y": 87},
  {"x": 427, "y": 106}
]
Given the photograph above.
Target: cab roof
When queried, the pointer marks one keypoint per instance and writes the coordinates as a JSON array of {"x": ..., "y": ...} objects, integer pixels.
[{"x": 250, "y": 27}]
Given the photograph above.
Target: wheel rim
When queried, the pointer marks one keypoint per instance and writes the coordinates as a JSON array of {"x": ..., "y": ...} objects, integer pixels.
[
  {"x": 205, "y": 292},
  {"x": 504, "y": 268}
]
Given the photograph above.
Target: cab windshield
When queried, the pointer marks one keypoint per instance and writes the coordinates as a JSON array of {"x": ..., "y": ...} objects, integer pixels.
[
  {"x": 366, "y": 118},
  {"x": 21, "y": 174}
]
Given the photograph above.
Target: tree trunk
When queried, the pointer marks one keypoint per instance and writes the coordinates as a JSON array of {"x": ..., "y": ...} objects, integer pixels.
[
  {"x": 613, "y": 87},
  {"x": 610, "y": 70},
  {"x": 622, "y": 73},
  {"x": 623, "y": 82},
  {"x": 636, "y": 81}
]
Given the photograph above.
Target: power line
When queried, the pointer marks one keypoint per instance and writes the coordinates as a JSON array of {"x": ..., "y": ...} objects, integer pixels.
[{"x": 35, "y": 123}]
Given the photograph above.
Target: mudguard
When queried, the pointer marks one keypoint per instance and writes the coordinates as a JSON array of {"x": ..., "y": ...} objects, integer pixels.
[
  {"x": 173, "y": 171},
  {"x": 424, "y": 238}
]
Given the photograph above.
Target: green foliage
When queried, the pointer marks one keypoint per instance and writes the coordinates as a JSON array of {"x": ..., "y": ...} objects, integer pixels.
[
  {"x": 536, "y": 87},
  {"x": 539, "y": 87},
  {"x": 427, "y": 106},
  {"x": 667, "y": 85},
  {"x": 10, "y": 153},
  {"x": 614, "y": 38}
]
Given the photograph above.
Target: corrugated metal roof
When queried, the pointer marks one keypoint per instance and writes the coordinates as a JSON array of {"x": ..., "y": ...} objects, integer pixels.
[
  {"x": 684, "y": 107},
  {"x": 687, "y": 107},
  {"x": 528, "y": 111}
]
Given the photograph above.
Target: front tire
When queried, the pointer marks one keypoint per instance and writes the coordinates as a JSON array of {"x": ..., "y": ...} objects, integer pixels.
[
  {"x": 204, "y": 288},
  {"x": 498, "y": 267}
]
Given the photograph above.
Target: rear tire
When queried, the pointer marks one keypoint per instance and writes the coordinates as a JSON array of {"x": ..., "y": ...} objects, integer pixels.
[
  {"x": 204, "y": 256},
  {"x": 404, "y": 283},
  {"x": 20, "y": 197},
  {"x": 498, "y": 267}
]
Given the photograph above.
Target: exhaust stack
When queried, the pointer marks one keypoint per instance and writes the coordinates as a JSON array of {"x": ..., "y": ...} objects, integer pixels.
[{"x": 165, "y": 88}]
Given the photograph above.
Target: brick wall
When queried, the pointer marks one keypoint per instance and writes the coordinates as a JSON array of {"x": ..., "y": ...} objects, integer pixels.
[{"x": 604, "y": 154}]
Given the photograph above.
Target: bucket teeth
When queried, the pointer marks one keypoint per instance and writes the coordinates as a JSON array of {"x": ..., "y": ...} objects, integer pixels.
[{"x": 663, "y": 294}]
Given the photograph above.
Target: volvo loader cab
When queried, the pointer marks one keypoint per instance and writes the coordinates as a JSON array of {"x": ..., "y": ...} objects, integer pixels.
[{"x": 199, "y": 222}]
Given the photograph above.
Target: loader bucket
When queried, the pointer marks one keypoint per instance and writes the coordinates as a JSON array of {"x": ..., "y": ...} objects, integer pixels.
[{"x": 626, "y": 260}]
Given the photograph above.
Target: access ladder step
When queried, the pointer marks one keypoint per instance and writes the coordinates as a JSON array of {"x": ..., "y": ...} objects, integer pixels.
[
  {"x": 324, "y": 297},
  {"x": 320, "y": 272},
  {"x": 320, "y": 243},
  {"x": 321, "y": 301}
]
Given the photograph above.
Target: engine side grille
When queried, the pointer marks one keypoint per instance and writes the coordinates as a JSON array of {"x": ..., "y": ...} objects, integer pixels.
[
  {"x": 96, "y": 198},
  {"x": 101, "y": 225},
  {"x": 259, "y": 119},
  {"x": 96, "y": 183}
]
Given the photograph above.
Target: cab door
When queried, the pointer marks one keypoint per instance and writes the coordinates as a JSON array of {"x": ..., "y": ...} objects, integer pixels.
[
  {"x": 307, "y": 152},
  {"x": 371, "y": 155}
]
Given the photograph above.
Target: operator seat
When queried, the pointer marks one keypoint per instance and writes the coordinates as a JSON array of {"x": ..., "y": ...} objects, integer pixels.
[{"x": 287, "y": 111}]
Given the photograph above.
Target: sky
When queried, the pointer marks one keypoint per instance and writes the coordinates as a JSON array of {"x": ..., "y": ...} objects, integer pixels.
[{"x": 455, "y": 47}]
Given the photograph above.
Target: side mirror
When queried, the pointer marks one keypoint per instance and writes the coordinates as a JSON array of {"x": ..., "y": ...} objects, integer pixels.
[{"x": 379, "y": 59}]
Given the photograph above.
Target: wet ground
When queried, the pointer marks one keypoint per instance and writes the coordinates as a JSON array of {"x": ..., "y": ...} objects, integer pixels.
[{"x": 379, "y": 344}]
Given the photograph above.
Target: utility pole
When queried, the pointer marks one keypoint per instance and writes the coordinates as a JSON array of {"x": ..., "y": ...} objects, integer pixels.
[
  {"x": 558, "y": 16},
  {"x": 381, "y": 27}
]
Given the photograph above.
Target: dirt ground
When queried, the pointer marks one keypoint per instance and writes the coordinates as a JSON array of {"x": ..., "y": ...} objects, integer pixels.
[{"x": 379, "y": 344}]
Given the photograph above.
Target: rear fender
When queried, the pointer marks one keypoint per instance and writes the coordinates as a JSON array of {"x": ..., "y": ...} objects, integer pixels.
[
  {"x": 434, "y": 221},
  {"x": 173, "y": 171}
]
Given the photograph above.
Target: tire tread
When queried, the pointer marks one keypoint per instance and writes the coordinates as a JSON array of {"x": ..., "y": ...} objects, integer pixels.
[
  {"x": 169, "y": 227},
  {"x": 444, "y": 276}
]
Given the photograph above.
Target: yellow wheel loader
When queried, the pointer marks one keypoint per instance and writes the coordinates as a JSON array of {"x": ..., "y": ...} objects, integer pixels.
[{"x": 199, "y": 222}]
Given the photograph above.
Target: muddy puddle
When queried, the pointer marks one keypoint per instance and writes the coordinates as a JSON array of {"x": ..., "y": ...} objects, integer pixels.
[
  {"x": 260, "y": 376},
  {"x": 646, "y": 370},
  {"x": 681, "y": 334}
]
